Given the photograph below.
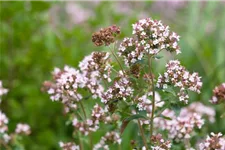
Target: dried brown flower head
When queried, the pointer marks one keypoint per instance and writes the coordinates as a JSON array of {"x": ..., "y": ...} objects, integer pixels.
[{"x": 105, "y": 36}]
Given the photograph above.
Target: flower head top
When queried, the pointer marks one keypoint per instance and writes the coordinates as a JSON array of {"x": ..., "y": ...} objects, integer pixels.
[
  {"x": 156, "y": 35},
  {"x": 110, "y": 137},
  {"x": 3, "y": 122},
  {"x": 218, "y": 94},
  {"x": 92, "y": 124},
  {"x": 215, "y": 141},
  {"x": 120, "y": 90},
  {"x": 181, "y": 78},
  {"x": 22, "y": 129},
  {"x": 200, "y": 109},
  {"x": 145, "y": 103},
  {"x": 64, "y": 86},
  {"x": 95, "y": 68},
  {"x": 151, "y": 37},
  {"x": 179, "y": 127},
  {"x": 105, "y": 36},
  {"x": 69, "y": 146},
  {"x": 160, "y": 143}
]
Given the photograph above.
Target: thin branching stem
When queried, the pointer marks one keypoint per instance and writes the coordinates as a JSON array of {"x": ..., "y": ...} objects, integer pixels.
[
  {"x": 112, "y": 51},
  {"x": 90, "y": 136},
  {"x": 82, "y": 107},
  {"x": 4, "y": 145},
  {"x": 142, "y": 134},
  {"x": 153, "y": 95}
]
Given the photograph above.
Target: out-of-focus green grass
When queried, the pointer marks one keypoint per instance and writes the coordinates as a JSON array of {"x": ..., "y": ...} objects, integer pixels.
[{"x": 31, "y": 46}]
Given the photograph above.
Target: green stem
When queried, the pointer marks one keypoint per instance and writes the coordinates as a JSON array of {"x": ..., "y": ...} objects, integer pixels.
[
  {"x": 153, "y": 96},
  {"x": 4, "y": 145},
  {"x": 82, "y": 107},
  {"x": 142, "y": 134},
  {"x": 117, "y": 59},
  {"x": 80, "y": 142},
  {"x": 90, "y": 136}
]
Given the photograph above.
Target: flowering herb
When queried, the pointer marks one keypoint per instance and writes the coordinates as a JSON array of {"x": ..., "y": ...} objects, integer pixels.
[{"x": 97, "y": 95}]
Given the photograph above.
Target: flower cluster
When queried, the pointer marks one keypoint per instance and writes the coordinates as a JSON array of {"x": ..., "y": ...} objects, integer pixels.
[
  {"x": 22, "y": 129},
  {"x": 218, "y": 94},
  {"x": 2, "y": 91},
  {"x": 91, "y": 125},
  {"x": 5, "y": 137},
  {"x": 130, "y": 51},
  {"x": 181, "y": 78},
  {"x": 200, "y": 109},
  {"x": 213, "y": 142},
  {"x": 145, "y": 103},
  {"x": 94, "y": 68},
  {"x": 120, "y": 90},
  {"x": 179, "y": 127},
  {"x": 105, "y": 36},
  {"x": 151, "y": 37},
  {"x": 64, "y": 87},
  {"x": 160, "y": 143},
  {"x": 3, "y": 122},
  {"x": 110, "y": 137},
  {"x": 69, "y": 146}
]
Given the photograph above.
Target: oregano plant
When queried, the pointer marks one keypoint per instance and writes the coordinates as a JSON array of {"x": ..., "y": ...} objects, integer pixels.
[{"x": 109, "y": 90}]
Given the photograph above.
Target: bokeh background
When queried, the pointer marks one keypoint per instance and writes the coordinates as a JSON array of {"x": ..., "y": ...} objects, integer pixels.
[{"x": 37, "y": 36}]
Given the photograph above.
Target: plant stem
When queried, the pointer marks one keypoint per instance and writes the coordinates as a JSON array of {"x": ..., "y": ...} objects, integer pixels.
[
  {"x": 142, "y": 134},
  {"x": 90, "y": 140},
  {"x": 117, "y": 59},
  {"x": 4, "y": 145},
  {"x": 153, "y": 96},
  {"x": 82, "y": 107},
  {"x": 90, "y": 137},
  {"x": 80, "y": 142}
]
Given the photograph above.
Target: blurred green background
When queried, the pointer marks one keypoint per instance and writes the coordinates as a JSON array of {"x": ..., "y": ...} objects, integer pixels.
[{"x": 37, "y": 36}]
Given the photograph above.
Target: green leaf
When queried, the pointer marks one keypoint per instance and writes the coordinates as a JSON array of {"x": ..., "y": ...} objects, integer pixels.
[
  {"x": 157, "y": 57},
  {"x": 170, "y": 90},
  {"x": 136, "y": 116},
  {"x": 128, "y": 119},
  {"x": 165, "y": 117}
]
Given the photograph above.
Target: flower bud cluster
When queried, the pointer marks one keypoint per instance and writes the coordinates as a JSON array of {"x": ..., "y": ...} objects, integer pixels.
[
  {"x": 94, "y": 68},
  {"x": 213, "y": 142},
  {"x": 145, "y": 103},
  {"x": 20, "y": 128},
  {"x": 159, "y": 143},
  {"x": 69, "y": 146},
  {"x": 130, "y": 51},
  {"x": 91, "y": 125},
  {"x": 120, "y": 90},
  {"x": 182, "y": 126},
  {"x": 64, "y": 87},
  {"x": 110, "y": 137},
  {"x": 200, "y": 109},
  {"x": 105, "y": 36},
  {"x": 218, "y": 94},
  {"x": 181, "y": 78},
  {"x": 151, "y": 36},
  {"x": 3, "y": 122}
]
